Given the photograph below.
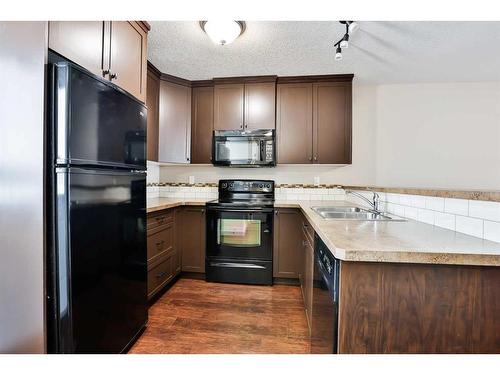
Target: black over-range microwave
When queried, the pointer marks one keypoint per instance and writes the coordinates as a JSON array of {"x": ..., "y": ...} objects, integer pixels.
[{"x": 244, "y": 148}]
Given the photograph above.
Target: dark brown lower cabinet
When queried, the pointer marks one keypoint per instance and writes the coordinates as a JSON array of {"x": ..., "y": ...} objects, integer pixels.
[
  {"x": 160, "y": 272},
  {"x": 162, "y": 251},
  {"x": 191, "y": 234},
  {"x": 418, "y": 308},
  {"x": 287, "y": 249}
]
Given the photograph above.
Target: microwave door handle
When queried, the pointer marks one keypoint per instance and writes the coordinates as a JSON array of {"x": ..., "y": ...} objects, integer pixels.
[{"x": 262, "y": 150}]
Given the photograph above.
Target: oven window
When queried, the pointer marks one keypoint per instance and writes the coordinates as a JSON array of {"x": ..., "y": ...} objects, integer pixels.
[
  {"x": 238, "y": 232},
  {"x": 237, "y": 150}
]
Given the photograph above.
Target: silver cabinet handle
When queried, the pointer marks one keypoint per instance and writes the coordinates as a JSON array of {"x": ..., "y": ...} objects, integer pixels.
[
  {"x": 237, "y": 265},
  {"x": 113, "y": 76},
  {"x": 315, "y": 158},
  {"x": 105, "y": 73}
]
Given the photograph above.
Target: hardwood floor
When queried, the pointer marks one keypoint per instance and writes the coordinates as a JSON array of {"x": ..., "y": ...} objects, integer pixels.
[{"x": 195, "y": 316}]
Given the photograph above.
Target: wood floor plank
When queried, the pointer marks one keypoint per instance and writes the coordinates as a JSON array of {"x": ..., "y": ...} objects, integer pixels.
[{"x": 195, "y": 316}]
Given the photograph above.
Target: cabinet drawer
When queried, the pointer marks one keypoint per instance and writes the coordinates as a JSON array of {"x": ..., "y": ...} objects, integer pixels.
[
  {"x": 160, "y": 274},
  {"x": 160, "y": 239},
  {"x": 161, "y": 218}
]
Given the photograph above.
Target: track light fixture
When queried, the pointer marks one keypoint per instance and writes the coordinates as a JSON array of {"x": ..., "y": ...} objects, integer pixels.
[
  {"x": 344, "y": 43},
  {"x": 350, "y": 27},
  {"x": 338, "y": 54}
]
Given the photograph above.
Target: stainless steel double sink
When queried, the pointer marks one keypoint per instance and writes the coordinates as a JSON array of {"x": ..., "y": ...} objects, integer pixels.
[{"x": 353, "y": 213}]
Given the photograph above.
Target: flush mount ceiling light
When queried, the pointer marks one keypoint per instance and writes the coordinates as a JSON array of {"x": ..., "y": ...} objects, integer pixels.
[
  {"x": 223, "y": 32},
  {"x": 350, "y": 27}
]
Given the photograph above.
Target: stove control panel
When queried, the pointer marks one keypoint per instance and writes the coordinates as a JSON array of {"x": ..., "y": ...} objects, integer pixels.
[{"x": 246, "y": 186}]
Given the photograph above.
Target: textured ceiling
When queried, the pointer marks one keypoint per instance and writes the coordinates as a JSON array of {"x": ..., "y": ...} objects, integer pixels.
[{"x": 379, "y": 52}]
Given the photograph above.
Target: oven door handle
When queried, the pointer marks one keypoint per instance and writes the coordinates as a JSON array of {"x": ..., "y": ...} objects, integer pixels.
[
  {"x": 236, "y": 265},
  {"x": 243, "y": 210}
]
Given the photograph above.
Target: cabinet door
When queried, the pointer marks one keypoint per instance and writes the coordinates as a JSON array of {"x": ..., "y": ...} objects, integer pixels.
[
  {"x": 294, "y": 123},
  {"x": 152, "y": 101},
  {"x": 202, "y": 125},
  {"x": 228, "y": 107},
  {"x": 193, "y": 239},
  {"x": 332, "y": 122},
  {"x": 174, "y": 123},
  {"x": 260, "y": 105},
  {"x": 287, "y": 243},
  {"x": 80, "y": 42},
  {"x": 128, "y": 57}
]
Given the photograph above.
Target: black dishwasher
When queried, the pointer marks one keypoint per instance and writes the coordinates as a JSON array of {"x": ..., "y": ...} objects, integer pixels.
[{"x": 325, "y": 300}]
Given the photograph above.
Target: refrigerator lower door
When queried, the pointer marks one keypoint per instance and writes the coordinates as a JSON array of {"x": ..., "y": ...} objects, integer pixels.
[{"x": 99, "y": 260}]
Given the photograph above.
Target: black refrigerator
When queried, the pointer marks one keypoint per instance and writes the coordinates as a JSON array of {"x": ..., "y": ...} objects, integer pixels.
[{"x": 96, "y": 206}]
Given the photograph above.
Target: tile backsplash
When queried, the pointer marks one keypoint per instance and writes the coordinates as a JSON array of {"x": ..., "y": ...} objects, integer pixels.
[{"x": 473, "y": 217}]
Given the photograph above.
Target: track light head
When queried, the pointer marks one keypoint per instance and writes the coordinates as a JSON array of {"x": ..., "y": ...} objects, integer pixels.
[
  {"x": 352, "y": 26},
  {"x": 338, "y": 54},
  {"x": 344, "y": 43}
]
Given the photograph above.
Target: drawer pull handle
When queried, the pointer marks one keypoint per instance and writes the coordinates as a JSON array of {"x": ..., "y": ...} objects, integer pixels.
[
  {"x": 237, "y": 265},
  {"x": 160, "y": 244},
  {"x": 160, "y": 275}
]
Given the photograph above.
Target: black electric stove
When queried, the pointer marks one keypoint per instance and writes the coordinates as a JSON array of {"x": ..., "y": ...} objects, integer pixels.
[{"x": 240, "y": 233}]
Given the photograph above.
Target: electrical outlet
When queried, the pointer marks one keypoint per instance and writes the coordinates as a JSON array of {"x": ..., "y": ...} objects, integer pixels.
[
  {"x": 316, "y": 181},
  {"x": 191, "y": 180}
]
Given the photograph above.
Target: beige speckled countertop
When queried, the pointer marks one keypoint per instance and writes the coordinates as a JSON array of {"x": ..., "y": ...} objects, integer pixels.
[
  {"x": 158, "y": 204},
  {"x": 383, "y": 241}
]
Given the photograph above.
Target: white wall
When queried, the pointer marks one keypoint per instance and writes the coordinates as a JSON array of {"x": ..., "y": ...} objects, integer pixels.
[
  {"x": 362, "y": 170},
  {"x": 439, "y": 135}
]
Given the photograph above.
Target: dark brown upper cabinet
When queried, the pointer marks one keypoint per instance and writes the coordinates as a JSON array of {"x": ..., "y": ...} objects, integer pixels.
[
  {"x": 294, "y": 123},
  {"x": 228, "y": 106},
  {"x": 260, "y": 105},
  {"x": 115, "y": 50},
  {"x": 202, "y": 124},
  {"x": 245, "y": 103},
  {"x": 174, "y": 123},
  {"x": 153, "y": 102},
  {"x": 314, "y": 120},
  {"x": 128, "y": 57},
  {"x": 332, "y": 122},
  {"x": 80, "y": 42}
]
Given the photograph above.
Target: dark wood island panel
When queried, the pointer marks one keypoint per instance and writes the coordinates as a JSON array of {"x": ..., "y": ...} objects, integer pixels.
[{"x": 418, "y": 308}]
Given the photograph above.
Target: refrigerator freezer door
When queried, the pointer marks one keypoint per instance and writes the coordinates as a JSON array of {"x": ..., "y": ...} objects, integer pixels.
[
  {"x": 100, "y": 291},
  {"x": 96, "y": 123}
]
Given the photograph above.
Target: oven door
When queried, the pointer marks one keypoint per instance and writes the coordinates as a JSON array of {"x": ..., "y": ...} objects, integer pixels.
[
  {"x": 240, "y": 233},
  {"x": 243, "y": 151}
]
